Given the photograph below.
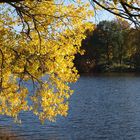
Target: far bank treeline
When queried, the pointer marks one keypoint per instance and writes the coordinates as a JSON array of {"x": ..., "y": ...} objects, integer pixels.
[{"x": 114, "y": 46}]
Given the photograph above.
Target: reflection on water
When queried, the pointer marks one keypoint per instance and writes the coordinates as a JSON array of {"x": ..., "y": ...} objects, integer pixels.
[
  {"x": 5, "y": 134},
  {"x": 103, "y": 107}
]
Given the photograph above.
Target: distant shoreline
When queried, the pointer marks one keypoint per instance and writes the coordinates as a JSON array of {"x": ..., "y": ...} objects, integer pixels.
[
  {"x": 111, "y": 70},
  {"x": 111, "y": 74}
]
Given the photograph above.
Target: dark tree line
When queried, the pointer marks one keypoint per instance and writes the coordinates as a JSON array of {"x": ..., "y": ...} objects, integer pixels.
[{"x": 112, "y": 46}]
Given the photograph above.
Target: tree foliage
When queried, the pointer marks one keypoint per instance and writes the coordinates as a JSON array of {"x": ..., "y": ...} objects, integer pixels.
[
  {"x": 39, "y": 39},
  {"x": 38, "y": 42}
]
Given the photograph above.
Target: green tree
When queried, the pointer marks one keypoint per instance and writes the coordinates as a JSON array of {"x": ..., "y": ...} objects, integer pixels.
[
  {"x": 134, "y": 48},
  {"x": 106, "y": 46}
]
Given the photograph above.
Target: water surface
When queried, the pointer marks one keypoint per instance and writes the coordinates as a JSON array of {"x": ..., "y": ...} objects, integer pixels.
[{"x": 104, "y": 107}]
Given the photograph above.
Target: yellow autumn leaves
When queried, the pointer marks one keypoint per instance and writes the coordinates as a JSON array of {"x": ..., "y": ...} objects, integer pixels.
[{"x": 43, "y": 58}]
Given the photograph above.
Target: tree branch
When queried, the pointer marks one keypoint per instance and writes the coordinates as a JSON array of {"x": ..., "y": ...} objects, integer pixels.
[{"x": 6, "y": 1}]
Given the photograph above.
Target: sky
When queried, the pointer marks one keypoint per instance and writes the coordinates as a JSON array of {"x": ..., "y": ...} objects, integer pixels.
[{"x": 101, "y": 15}]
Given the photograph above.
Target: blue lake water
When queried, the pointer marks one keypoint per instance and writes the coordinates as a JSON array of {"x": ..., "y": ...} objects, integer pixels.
[{"x": 104, "y": 107}]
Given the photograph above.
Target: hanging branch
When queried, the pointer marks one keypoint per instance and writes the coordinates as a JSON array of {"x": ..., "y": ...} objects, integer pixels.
[
  {"x": 6, "y": 1},
  {"x": 127, "y": 11}
]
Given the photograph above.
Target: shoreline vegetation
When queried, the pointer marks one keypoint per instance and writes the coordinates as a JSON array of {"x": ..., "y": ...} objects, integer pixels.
[
  {"x": 111, "y": 74},
  {"x": 113, "y": 46},
  {"x": 99, "y": 70},
  {"x": 102, "y": 70}
]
